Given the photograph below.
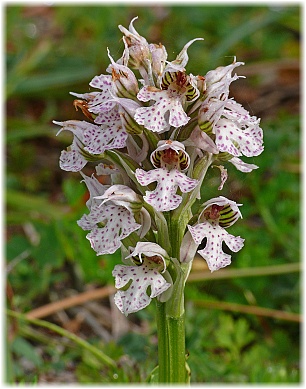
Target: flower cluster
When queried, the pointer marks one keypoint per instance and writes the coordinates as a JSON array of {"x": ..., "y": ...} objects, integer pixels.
[{"x": 153, "y": 129}]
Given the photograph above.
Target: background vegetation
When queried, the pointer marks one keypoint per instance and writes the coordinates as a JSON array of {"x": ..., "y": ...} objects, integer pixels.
[{"x": 243, "y": 322}]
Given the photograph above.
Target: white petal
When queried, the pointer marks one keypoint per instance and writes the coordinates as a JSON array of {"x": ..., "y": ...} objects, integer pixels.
[
  {"x": 95, "y": 189},
  {"x": 135, "y": 297},
  {"x": 249, "y": 140},
  {"x": 188, "y": 248},
  {"x": 224, "y": 175},
  {"x": 242, "y": 166},
  {"x": 72, "y": 160},
  {"x": 178, "y": 116},
  {"x": 152, "y": 118},
  {"x": 100, "y": 138},
  {"x": 149, "y": 249},
  {"x": 182, "y": 59},
  {"x": 122, "y": 195},
  {"x": 119, "y": 224},
  {"x": 215, "y": 257},
  {"x": 164, "y": 197},
  {"x": 105, "y": 170}
]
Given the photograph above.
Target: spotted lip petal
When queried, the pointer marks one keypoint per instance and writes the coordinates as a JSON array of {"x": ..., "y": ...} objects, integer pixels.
[
  {"x": 170, "y": 102},
  {"x": 153, "y": 117},
  {"x": 165, "y": 113},
  {"x": 164, "y": 197},
  {"x": 215, "y": 257},
  {"x": 73, "y": 159},
  {"x": 248, "y": 141},
  {"x": 104, "y": 137},
  {"x": 119, "y": 223},
  {"x": 135, "y": 297},
  {"x": 109, "y": 224}
]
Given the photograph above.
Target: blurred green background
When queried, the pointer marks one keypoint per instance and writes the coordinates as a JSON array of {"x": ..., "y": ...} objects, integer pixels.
[{"x": 243, "y": 323}]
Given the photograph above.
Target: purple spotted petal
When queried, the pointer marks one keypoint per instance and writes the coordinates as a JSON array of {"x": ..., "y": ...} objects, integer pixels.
[
  {"x": 102, "y": 82},
  {"x": 215, "y": 257},
  {"x": 167, "y": 110},
  {"x": 178, "y": 116},
  {"x": 100, "y": 138},
  {"x": 164, "y": 197},
  {"x": 153, "y": 118},
  {"x": 101, "y": 102},
  {"x": 90, "y": 221},
  {"x": 73, "y": 159},
  {"x": 118, "y": 224},
  {"x": 106, "y": 112},
  {"x": 135, "y": 297},
  {"x": 228, "y": 134}
]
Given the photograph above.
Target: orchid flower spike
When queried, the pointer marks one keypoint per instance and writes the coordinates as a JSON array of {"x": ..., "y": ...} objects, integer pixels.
[{"x": 151, "y": 141}]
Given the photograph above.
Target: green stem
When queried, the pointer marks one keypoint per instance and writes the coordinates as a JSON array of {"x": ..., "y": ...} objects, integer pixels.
[
  {"x": 177, "y": 359},
  {"x": 171, "y": 346},
  {"x": 163, "y": 346},
  {"x": 171, "y": 316}
]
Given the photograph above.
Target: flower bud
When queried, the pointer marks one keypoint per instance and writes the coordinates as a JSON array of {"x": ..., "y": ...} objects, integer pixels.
[
  {"x": 159, "y": 56},
  {"x": 124, "y": 83},
  {"x": 138, "y": 47}
]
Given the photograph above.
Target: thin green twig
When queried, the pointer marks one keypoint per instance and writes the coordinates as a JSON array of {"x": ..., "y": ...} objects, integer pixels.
[{"x": 80, "y": 342}]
